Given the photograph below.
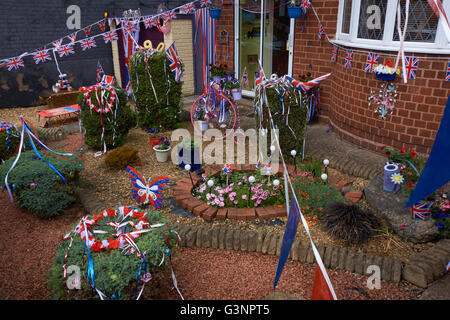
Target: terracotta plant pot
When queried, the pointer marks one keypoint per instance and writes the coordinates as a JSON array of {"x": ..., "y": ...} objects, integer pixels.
[{"x": 162, "y": 155}]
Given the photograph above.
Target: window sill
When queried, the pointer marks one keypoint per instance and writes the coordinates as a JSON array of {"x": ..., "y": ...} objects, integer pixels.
[{"x": 391, "y": 48}]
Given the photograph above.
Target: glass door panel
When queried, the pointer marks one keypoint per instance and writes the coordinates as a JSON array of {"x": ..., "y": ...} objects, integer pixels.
[{"x": 249, "y": 44}]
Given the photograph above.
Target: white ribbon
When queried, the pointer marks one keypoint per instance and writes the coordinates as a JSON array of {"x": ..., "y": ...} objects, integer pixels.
[
  {"x": 401, "y": 50},
  {"x": 22, "y": 134}
]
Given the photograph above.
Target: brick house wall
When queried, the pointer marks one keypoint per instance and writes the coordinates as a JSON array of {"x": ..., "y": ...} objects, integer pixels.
[{"x": 344, "y": 96}]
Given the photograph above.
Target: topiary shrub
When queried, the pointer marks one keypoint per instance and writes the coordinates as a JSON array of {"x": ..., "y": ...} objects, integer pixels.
[
  {"x": 122, "y": 157},
  {"x": 9, "y": 141},
  {"x": 349, "y": 222},
  {"x": 164, "y": 110},
  {"x": 115, "y": 272},
  {"x": 117, "y": 122},
  {"x": 39, "y": 188},
  {"x": 291, "y": 123}
]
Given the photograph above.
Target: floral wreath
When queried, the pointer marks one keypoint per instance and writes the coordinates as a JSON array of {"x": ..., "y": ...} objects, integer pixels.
[
  {"x": 104, "y": 86},
  {"x": 84, "y": 228}
]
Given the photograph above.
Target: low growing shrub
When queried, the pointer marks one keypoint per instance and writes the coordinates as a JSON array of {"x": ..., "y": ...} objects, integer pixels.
[
  {"x": 122, "y": 157},
  {"x": 9, "y": 141},
  {"x": 40, "y": 190}
]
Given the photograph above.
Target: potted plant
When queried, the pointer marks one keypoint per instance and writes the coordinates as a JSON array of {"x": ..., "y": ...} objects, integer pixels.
[
  {"x": 235, "y": 87},
  {"x": 215, "y": 9},
  {"x": 386, "y": 71},
  {"x": 217, "y": 72},
  {"x": 202, "y": 120},
  {"x": 189, "y": 153},
  {"x": 295, "y": 10},
  {"x": 154, "y": 136},
  {"x": 162, "y": 150}
]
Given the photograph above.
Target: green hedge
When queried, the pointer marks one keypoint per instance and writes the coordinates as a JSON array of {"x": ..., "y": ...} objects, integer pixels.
[
  {"x": 166, "y": 112},
  {"x": 116, "y": 125},
  {"x": 297, "y": 119},
  {"x": 50, "y": 196},
  {"x": 115, "y": 272},
  {"x": 6, "y": 153}
]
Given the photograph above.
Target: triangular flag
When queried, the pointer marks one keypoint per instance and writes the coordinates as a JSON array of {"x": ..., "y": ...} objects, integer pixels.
[
  {"x": 320, "y": 290},
  {"x": 437, "y": 169}
]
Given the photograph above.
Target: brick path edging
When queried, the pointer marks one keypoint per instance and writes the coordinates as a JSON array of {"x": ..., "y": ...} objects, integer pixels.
[{"x": 183, "y": 197}]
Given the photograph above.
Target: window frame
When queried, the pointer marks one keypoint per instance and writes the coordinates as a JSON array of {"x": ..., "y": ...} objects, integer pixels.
[{"x": 440, "y": 46}]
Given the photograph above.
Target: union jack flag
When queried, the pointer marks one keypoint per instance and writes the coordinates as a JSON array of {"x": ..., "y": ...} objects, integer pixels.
[
  {"x": 130, "y": 32},
  {"x": 349, "y": 59},
  {"x": 226, "y": 169},
  {"x": 421, "y": 210},
  {"x": 88, "y": 43},
  {"x": 204, "y": 3},
  {"x": 175, "y": 62},
  {"x": 57, "y": 43},
  {"x": 372, "y": 61},
  {"x": 150, "y": 22},
  {"x": 188, "y": 8},
  {"x": 447, "y": 76},
  {"x": 169, "y": 15},
  {"x": 305, "y": 5},
  {"x": 321, "y": 32},
  {"x": 41, "y": 56},
  {"x": 102, "y": 25},
  {"x": 334, "y": 53},
  {"x": 65, "y": 50},
  {"x": 100, "y": 72},
  {"x": 411, "y": 64},
  {"x": 260, "y": 76},
  {"x": 110, "y": 36},
  {"x": 72, "y": 37},
  {"x": 14, "y": 63},
  {"x": 306, "y": 86},
  {"x": 87, "y": 31}
]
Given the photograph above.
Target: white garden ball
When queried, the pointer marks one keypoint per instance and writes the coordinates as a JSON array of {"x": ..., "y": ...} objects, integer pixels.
[
  {"x": 293, "y": 153},
  {"x": 276, "y": 182},
  {"x": 326, "y": 162},
  {"x": 324, "y": 176},
  {"x": 251, "y": 179},
  {"x": 272, "y": 148},
  {"x": 187, "y": 167},
  {"x": 210, "y": 183}
]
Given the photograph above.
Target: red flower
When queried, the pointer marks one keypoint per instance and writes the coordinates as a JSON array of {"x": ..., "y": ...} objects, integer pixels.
[
  {"x": 388, "y": 153},
  {"x": 402, "y": 151},
  {"x": 383, "y": 147},
  {"x": 413, "y": 154},
  {"x": 410, "y": 185}
]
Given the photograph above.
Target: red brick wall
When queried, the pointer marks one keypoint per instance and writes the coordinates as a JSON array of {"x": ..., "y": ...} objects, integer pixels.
[
  {"x": 344, "y": 96},
  {"x": 226, "y": 23}
]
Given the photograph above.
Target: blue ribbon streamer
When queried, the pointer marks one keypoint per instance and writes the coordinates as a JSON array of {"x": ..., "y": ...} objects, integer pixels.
[{"x": 139, "y": 273}]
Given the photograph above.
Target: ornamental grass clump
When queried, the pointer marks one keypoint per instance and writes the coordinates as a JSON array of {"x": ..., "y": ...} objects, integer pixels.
[
  {"x": 122, "y": 157},
  {"x": 349, "y": 222}
]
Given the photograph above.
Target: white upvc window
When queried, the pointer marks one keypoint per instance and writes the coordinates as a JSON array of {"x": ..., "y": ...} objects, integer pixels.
[{"x": 372, "y": 24}]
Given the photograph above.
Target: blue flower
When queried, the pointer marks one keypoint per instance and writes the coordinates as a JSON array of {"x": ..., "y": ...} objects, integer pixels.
[
  {"x": 167, "y": 143},
  {"x": 440, "y": 226}
]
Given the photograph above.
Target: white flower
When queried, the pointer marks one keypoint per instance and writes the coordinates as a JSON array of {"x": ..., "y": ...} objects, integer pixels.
[{"x": 397, "y": 178}]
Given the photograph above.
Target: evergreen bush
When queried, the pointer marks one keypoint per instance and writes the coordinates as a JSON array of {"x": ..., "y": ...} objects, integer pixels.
[
  {"x": 295, "y": 112},
  {"x": 8, "y": 148},
  {"x": 165, "y": 110},
  {"x": 122, "y": 157},
  {"x": 117, "y": 123},
  {"x": 115, "y": 272},
  {"x": 40, "y": 190}
]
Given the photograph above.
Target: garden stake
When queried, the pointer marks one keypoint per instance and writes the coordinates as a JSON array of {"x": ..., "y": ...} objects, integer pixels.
[{"x": 188, "y": 168}]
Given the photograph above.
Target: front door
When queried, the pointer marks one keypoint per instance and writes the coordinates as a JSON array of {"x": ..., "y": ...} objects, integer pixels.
[{"x": 264, "y": 32}]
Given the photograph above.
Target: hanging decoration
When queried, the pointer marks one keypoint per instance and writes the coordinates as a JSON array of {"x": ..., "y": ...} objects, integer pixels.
[
  {"x": 130, "y": 37},
  {"x": 100, "y": 72},
  {"x": 322, "y": 33},
  {"x": 334, "y": 53},
  {"x": 175, "y": 62},
  {"x": 385, "y": 100},
  {"x": 411, "y": 65},
  {"x": 348, "y": 59},
  {"x": 87, "y": 44},
  {"x": 447, "y": 74},
  {"x": 41, "y": 56},
  {"x": 387, "y": 71},
  {"x": 372, "y": 61}
]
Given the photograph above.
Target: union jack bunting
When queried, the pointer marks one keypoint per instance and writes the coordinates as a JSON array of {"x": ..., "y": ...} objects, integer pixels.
[
  {"x": 150, "y": 22},
  {"x": 100, "y": 72},
  {"x": 110, "y": 36},
  {"x": 260, "y": 76},
  {"x": 65, "y": 50},
  {"x": 175, "y": 62},
  {"x": 169, "y": 15},
  {"x": 188, "y": 8},
  {"x": 88, "y": 43},
  {"x": 305, "y": 5},
  {"x": 421, "y": 211},
  {"x": 372, "y": 61},
  {"x": 72, "y": 37},
  {"x": 306, "y": 86},
  {"x": 87, "y": 31},
  {"x": 102, "y": 25},
  {"x": 57, "y": 43},
  {"x": 411, "y": 64},
  {"x": 321, "y": 32},
  {"x": 447, "y": 76},
  {"x": 349, "y": 59},
  {"x": 204, "y": 3},
  {"x": 14, "y": 63},
  {"x": 41, "y": 56},
  {"x": 130, "y": 37},
  {"x": 334, "y": 53}
]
